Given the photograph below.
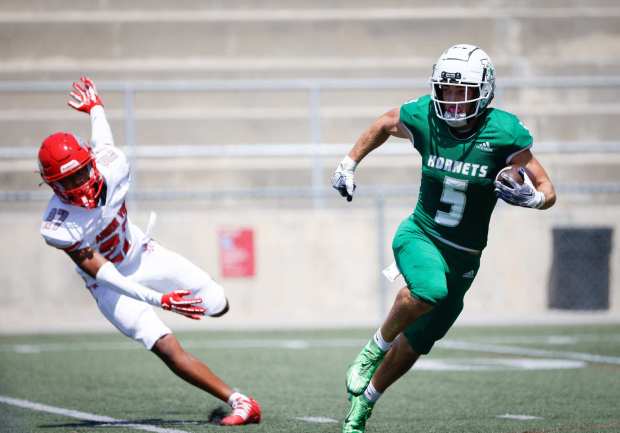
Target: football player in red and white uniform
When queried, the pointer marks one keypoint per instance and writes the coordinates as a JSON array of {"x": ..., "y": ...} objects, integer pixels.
[{"x": 126, "y": 272}]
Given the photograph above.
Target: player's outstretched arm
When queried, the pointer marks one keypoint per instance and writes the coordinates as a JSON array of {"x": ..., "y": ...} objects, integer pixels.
[
  {"x": 374, "y": 136},
  {"x": 537, "y": 191},
  {"x": 98, "y": 267},
  {"x": 85, "y": 97}
]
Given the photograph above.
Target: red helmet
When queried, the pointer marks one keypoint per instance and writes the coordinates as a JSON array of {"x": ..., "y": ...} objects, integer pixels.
[{"x": 68, "y": 167}]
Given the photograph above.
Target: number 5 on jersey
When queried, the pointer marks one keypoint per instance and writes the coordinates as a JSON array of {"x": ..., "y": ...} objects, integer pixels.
[{"x": 454, "y": 195}]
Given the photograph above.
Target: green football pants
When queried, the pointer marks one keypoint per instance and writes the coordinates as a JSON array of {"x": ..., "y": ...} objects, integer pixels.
[{"x": 435, "y": 273}]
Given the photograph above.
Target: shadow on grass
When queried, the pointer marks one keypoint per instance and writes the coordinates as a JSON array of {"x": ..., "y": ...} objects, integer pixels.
[{"x": 214, "y": 418}]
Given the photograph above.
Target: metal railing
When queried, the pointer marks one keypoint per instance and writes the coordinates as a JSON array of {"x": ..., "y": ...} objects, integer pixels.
[{"x": 315, "y": 148}]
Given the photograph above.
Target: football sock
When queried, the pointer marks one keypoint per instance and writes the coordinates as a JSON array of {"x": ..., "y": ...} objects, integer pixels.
[
  {"x": 371, "y": 393},
  {"x": 234, "y": 397},
  {"x": 383, "y": 345}
]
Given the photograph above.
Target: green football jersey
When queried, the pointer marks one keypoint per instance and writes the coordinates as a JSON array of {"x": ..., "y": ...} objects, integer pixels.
[{"x": 456, "y": 196}]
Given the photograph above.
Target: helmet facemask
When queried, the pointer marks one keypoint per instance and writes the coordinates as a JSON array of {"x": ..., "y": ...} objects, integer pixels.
[
  {"x": 82, "y": 187},
  {"x": 456, "y": 112}
]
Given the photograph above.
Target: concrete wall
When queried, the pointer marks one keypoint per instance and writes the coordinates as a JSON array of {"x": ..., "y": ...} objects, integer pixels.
[
  {"x": 224, "y": 39},
  {"x": 315, "y": 268}
]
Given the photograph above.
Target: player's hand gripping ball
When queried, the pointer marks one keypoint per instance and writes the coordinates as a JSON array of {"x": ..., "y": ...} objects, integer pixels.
[
  {"x": 510, "y": 174},
  {"x": 513, "y": 185}
]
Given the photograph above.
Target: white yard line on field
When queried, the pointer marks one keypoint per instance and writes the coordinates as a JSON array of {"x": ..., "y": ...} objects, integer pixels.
[
  {"x": 84, "y": 415},
  {"x": 550, "y": 340},
  {"x": 316, "y": 419},
  {"x": 194, "y": 344},
  {"x": 514, "y": 350},
  {"x": 302, "y": 344},
  {"x": 495, "y": 364},
  {"x": 519, "y": 417}
]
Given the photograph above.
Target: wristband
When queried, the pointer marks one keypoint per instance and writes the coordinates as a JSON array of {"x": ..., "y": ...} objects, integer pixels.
[
  {"x": 540, "y": 199},
  {"x": 348, "y": 163}
]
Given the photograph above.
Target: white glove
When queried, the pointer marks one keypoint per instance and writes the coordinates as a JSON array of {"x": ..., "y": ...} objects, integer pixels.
[
  {"x": 343, "y": 178},
  {"x": 516, "y": 194}
]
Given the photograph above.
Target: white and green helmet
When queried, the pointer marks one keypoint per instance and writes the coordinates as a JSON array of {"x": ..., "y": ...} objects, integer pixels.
[{"x": 466, "y": 66}]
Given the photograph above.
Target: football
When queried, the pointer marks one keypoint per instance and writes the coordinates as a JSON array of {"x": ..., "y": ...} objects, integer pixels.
[{"x": 510, "y": 171}]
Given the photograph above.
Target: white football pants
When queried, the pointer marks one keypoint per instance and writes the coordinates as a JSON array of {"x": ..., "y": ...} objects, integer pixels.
[{"x": 159, "y": 269}]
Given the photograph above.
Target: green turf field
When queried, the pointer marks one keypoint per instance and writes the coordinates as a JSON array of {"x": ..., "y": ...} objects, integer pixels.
[{"x": 493, "y": 379}]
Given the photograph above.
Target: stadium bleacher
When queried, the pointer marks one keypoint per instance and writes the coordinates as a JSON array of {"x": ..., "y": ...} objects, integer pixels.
[
  {"x": 193, "y": 40},
  {"x": 556, "y": 62}
]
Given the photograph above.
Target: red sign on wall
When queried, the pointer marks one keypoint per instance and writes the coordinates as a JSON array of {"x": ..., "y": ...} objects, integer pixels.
[{"x": 236, "y": 252}]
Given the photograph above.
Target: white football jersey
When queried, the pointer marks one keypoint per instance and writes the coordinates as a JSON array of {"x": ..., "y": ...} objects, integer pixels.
[{"x": 106, "y": 228}]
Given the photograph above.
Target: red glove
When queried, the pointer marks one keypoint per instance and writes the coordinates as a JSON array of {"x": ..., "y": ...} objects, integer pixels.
[
  {"x": 176, "y": 301},
  {"x": 85, "y": 95}
]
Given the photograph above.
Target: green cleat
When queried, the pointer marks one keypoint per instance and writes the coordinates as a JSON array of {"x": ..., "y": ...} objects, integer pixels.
[
  {"x": 363, "y": 367},
  {"x": 360, "y": 411}
]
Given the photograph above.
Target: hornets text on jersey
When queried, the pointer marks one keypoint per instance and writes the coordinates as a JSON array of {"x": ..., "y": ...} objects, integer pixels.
[{"x": 456, "y": 196}]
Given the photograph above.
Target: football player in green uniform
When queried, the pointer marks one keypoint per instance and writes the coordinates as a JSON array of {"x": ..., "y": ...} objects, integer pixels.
[{"x": 464, "y": 144}]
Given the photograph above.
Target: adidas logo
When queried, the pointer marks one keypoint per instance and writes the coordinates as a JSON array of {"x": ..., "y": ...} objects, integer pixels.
[
  {"x": 485, "y": 146},
  {"x": 470, "y": 274}
]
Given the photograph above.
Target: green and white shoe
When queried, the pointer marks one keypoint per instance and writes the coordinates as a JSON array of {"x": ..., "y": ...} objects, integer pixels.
[
  {"x": 360, "y": 411},
  {"x": 363, "y": 367}
]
